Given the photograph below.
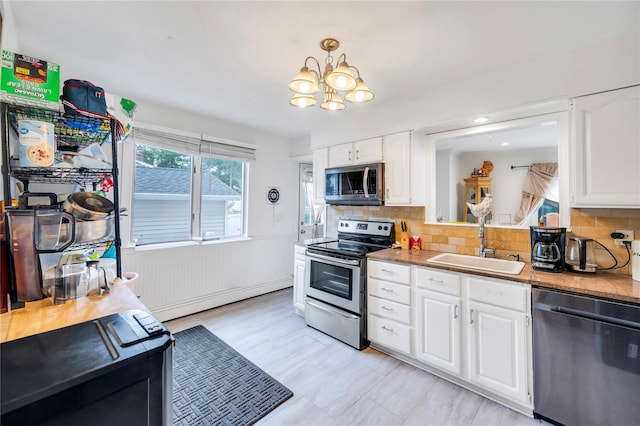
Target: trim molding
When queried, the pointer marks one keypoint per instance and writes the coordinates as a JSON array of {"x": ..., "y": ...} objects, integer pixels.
[{"x": 214, "y": 300}]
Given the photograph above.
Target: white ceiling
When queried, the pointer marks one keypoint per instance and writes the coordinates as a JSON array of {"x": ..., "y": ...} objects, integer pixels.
[{"x": 233, "y": 60}]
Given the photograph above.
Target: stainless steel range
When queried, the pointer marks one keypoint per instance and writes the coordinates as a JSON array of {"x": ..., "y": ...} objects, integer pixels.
[{"x": 335, "y": 281}]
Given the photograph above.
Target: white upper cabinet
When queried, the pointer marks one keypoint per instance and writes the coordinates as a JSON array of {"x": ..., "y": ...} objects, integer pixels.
[
  {"x": 359, "y": 152},
  {"x": 605, "y": 149},
  {"x": 320, "y": 162},
  {"x": 397, "y": 168}
]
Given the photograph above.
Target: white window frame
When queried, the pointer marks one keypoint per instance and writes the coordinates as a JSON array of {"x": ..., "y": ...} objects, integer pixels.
[{"x": 197, "y": 146}]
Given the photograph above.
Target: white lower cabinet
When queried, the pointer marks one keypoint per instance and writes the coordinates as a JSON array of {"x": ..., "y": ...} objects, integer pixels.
[
  {"x": 472, "y": 330},
  {"x": 497, "y": 350},
  {"x": 389, "y": 333},
  {"x": 389, "y": 305},
  {"x": 437, "y": 318},
  {"x": 298, "y": 279},
  {"x": 438, "y": 330}
]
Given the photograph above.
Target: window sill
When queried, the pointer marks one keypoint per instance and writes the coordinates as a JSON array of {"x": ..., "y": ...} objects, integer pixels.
[
  {"x": 176, "y": 244},
  {"x": 225, "y": 240}
]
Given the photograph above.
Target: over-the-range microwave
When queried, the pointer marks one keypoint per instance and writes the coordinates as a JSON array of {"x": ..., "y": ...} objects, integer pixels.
[{"x": 360, "y": 185}]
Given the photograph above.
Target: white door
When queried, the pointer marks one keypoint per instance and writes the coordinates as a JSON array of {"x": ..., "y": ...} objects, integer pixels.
[
  {"x": 341, "y": 155},
  {"x": 497, "y": 350},
  {"x": 397, "y": 168},
  {"x": 606, "y": 150},
  {"x": 367, "y": 151},
  {"x": 310, "y": 213},
  {"x": 438, "y": 330}
]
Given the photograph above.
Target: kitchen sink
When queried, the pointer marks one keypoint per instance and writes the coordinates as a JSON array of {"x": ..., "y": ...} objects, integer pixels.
[{"x": 476, "y": 263}]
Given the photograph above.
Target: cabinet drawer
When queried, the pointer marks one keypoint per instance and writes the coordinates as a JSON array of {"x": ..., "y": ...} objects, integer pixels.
[
  {"x": 389, "y": 333},
  {"x": 390, "y": 271},
  {"x": 438, "y": 281},
  {"x": 391, "y": 291},
  {"x": 300, "y": 252},
  {"x": 388, "y": 309},
  {"x": 507, "y": 295}
]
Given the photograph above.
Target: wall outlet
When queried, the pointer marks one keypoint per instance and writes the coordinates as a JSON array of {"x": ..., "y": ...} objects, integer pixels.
[{"x": 628, "y": 236}]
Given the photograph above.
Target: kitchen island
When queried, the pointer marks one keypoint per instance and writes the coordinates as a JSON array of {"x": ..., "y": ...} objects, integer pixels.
[{"x": 604, "y": 284}]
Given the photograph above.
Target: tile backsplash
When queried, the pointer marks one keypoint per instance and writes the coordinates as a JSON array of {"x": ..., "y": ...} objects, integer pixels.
[{"x": 597, "y": 224}]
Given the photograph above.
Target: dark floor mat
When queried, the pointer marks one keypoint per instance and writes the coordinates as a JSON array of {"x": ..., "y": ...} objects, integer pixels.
[{"x": 215, "y": 385}]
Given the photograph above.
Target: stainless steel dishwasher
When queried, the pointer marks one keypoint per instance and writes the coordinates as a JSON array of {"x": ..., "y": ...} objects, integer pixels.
[{"x": 586, "y": 360}]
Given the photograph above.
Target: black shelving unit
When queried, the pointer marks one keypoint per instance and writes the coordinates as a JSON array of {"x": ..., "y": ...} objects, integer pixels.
[{"x": 72, "y": 133}]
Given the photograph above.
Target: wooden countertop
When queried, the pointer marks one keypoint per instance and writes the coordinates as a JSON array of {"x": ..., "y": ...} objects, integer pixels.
[
  {"x": 42, "y": 316},
  {"x": 601, "y": 284}
]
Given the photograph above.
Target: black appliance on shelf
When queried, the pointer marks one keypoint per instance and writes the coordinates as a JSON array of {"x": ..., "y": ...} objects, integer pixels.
[
  {"x": 113, "y": 370},
  {"x": 335, "y": 281},
  {"x": 548, "y": 248}
]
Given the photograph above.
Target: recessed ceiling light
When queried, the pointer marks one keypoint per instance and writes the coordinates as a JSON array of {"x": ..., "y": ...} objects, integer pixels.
[
  {"x": 504, "y": 143},
  {"x": 481, "y": 120}
]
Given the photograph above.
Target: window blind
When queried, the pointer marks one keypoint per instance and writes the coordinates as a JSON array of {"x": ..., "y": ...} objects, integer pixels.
[{"x": 194, "y": 145}]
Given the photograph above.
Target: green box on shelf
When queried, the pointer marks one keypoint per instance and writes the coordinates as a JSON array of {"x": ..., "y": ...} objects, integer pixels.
[{"x": 29, "y": 78}]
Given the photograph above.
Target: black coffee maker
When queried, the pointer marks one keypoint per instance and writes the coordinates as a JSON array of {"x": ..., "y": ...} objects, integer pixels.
[{"x": 547, "y": 248}]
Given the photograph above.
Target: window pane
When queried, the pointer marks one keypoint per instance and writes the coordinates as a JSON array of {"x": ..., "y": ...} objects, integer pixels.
[
  {"x": 221, "y": 204},
  {"x": 162, "y": 196}
]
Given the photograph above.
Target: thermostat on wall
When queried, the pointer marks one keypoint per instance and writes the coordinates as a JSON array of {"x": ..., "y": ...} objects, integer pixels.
[{"x": 273, "y": 195}]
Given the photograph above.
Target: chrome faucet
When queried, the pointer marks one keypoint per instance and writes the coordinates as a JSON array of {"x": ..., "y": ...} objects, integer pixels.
[{"x": 483, "y": 252}]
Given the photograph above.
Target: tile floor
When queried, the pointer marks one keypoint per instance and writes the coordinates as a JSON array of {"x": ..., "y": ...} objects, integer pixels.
[{"x": 334, "y": 384}]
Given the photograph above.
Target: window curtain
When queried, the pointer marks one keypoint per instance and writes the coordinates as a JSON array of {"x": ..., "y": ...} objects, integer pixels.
[
  {"x": 194, "y": 144},
  {"x": 535, "y": 188}
]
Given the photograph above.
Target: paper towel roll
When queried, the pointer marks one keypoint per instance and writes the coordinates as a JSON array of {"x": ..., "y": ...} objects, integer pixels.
[{"x": 635, "y": 260}]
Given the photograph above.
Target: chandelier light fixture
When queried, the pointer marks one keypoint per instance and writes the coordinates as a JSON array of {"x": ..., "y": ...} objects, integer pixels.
[{"x": 332, "y": 81}]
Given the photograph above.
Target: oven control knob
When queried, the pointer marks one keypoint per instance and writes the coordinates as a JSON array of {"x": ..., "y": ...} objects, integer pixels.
[
  {"x": 379, "y": 227},
  {"x": 386, "y": 228}
]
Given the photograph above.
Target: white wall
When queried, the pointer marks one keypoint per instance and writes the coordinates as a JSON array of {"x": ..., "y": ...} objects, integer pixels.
[
  {"x": 179, "y": 281},
  {"x": 9, "y": 36}
]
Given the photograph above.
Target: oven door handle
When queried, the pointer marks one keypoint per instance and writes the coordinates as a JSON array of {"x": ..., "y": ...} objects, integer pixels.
[
  {"x": 332, "y": 311},
  {"x": 334, "y": 259}
]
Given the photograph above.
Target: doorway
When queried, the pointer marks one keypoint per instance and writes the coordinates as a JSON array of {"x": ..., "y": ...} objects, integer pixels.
[{"x": 310, "y": 213}]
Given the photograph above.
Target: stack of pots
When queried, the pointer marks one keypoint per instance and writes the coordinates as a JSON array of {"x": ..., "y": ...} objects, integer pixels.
[{"x": 93, "y": 214}]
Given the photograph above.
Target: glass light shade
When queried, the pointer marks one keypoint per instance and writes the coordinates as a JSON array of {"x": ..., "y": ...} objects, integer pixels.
[
  {"x": 340, "y": 78},
  {"x": 361, "y": 93},
  {"x": 304, "y": 82},
  {"x": 332, "y": 101},
  {"x": 301, "y": 100}
]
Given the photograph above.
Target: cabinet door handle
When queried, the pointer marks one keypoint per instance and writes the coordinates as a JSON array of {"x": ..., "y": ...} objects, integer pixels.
[
  {"x": 357, "y": 154},
  {"x": 349, "y": 155},
  {"x": 388, "y": 271},
  {"x": 384, "y": 327},
  {"x": 436, "y": 281},
  {"x": 390, "y": 290},
  {"x": 386, "y": 308},
  {"x": 455, "y": 311},
  {"x": 471, "y": 316}
]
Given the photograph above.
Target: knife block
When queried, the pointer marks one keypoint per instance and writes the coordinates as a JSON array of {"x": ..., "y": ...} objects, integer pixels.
[{"x": 404, "y": 240}]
